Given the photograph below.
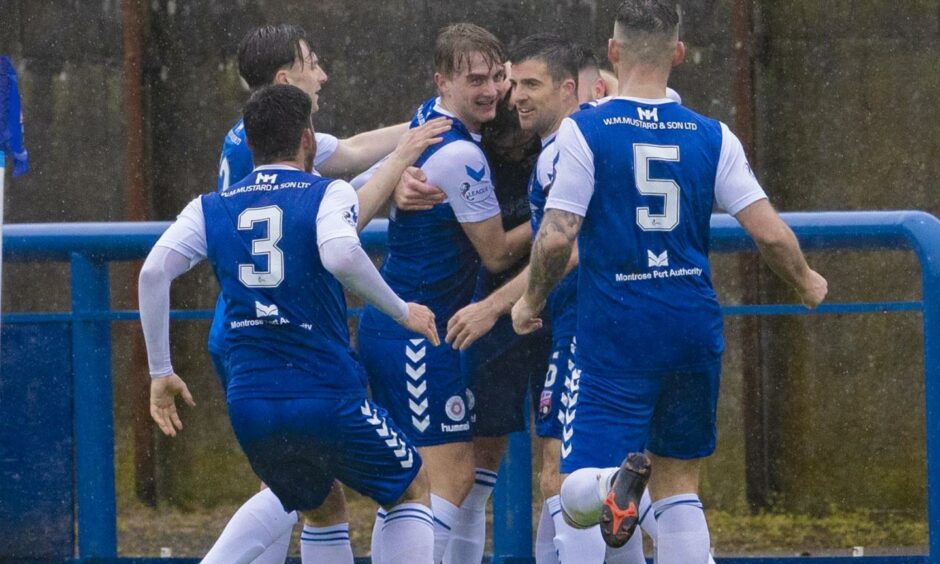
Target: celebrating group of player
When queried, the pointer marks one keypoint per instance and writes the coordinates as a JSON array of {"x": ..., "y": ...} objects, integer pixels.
[{"x": 610, "y": 205}]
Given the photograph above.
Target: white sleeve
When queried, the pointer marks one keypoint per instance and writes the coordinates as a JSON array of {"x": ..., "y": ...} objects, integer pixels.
[
  {"x": 163, "y": 264},
  {"x": 574, "y": 174},
  {"x": 460, "y": 170},
  {"x": 339, "y": 213},
  {"x": 360, "y": 180},
  {"x": 345, "y": 259},
  {"x": 736, "y": 187},
  {"x": 187, "y": 235},
  {"x": 326, "y": 146}
]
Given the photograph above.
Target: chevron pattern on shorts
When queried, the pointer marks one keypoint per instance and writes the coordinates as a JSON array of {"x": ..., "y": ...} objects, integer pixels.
[
  {"x": 570, "y": 403},
  {"x": 392, "y": 440},
  {"x": 416, "y": 383}
]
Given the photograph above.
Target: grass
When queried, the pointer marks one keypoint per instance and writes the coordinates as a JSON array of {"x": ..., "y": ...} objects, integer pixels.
[{"x": 144, "y": 531}]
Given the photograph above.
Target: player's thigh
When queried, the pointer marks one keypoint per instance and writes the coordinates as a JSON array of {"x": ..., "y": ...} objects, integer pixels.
[
  {"x": 684, "y": 422},
  {"x": 284, "y": 443},
  {"x": 421, "y": 386},
  {"x": 550, "y": 396},
  {"x": 332, "y": 511},
  {"x": 371, "y": 453},
  {"x": 606, "y": 418}
]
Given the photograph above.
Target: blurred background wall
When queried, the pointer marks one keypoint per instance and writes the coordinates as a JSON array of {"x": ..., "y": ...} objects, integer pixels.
[{"x": 839, "y": 98}]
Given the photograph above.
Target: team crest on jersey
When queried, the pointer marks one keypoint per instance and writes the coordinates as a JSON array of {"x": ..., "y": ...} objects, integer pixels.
[
  {"x": 351, "y": 216},
  {"x": 455, "y": 408}
]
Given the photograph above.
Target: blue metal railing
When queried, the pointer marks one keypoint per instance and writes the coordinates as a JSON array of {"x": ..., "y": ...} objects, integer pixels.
[{"x": 90, "y": 247}]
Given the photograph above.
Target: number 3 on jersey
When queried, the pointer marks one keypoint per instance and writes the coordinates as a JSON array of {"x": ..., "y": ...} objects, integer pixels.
[
  {"x": 667, "y": 189},
  {"x": 248, "y": 274}
]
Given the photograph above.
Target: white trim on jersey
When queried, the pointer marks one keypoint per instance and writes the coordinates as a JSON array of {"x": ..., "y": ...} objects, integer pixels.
[{"x": 735, "y": 184}]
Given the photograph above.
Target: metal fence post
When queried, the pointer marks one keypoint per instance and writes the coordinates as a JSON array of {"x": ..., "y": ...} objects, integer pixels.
[
  {"x": 94, "y": 419},
  {"x": 512, "y": 503}
]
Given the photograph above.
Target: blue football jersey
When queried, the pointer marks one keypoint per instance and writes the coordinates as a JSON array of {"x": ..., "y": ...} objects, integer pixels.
[
  {"x": 562, "y": 303},
  {"x": 429, "y": 259},
  {"x": 645, "y": 297},
  {"x": 284, "y": 314},
  {"x": 236, "y": 162}
]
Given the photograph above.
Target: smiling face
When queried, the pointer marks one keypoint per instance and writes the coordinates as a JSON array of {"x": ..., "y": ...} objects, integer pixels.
[
  {"x": 540, "y": 102},
  {"x": 473, "y": 90},
  {"x": 305, "y": 73}
]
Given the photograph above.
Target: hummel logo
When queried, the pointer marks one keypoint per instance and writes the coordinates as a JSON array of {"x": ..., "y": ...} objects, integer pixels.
[
  {"x": 266, "y": 178},
  {"x": 351, "y": 216},
  {"x": 661, "y": 259},
  {"x": 476, "y": 174},
  {"x": 262, "y": 310},
  {"x": 648, "y": 115}
]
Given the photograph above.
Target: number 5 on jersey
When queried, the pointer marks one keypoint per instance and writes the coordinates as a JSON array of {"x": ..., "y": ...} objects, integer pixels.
[
  {"x": 248, "y": 274},
  {"x": 667, "y": 189}
]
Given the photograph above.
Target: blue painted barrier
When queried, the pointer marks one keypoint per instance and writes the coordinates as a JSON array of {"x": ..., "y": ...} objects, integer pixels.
[{"x": 89, "y": 247}]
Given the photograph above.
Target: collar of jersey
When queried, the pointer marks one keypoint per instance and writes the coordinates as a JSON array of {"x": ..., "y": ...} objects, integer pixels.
[
  {"x": 645, "y": 100},
  {"x": 440, "y": 109},
  {"x": 276, "y": 167},
  {"x": 548, "y": 140}
]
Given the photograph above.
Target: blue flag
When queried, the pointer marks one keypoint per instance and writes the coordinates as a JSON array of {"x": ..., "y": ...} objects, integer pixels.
[{"x": 11, "y": 118}]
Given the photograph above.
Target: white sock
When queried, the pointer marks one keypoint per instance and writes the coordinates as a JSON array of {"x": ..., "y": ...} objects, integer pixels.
[
  {"x": 445, "y": 516},
  {"x": 326, "y": 544},
  {"x": 647, "y": 519},
  {"x": 408, "y": 535},
  {"x": 576, "y": 546},
  {"x": 683, "y": 533},
  {"x": 583, "y": 492},
  {"x": 376, "y": 552},
  {"x": 545, "y": 552},
  {"x": 468, "y": 535},
  {"x": 630, "y": 553},
  {"x": 277, "y": 552},
  {"x": 259, "y": 523}
]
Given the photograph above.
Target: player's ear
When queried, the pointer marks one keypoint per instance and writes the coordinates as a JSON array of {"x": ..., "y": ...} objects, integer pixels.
[
  {"x": 679, "y": 55},
  {"x": 613, "y": 51},
  {"x": 281, "y": 77},
  {"x": 570, "y": 88},
  {"x": 441, "y": 83}
]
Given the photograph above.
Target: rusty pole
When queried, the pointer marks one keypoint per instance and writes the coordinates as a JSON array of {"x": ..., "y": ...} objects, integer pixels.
[
  {"x": 756, "y": 428},
  {"x": 138, "y": 199}
]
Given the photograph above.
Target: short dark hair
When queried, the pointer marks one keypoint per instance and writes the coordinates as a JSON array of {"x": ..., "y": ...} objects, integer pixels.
[
  {"x": 648, "y": 16},
  {"x": 456, "y": 42},
  {"x": 275, "y": 118},
  {"x": 587, "y": 60},
  {"x": 267, "y": 49},
  {"x": 559, "y": 55}
]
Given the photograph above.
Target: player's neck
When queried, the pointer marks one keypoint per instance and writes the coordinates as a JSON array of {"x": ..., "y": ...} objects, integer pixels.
[
  {"x": 471, "y": 125},
  {"x": 557, "y": 125},
  {"x": 642, "y": 82},
  {"x": 293, "y": 163}
]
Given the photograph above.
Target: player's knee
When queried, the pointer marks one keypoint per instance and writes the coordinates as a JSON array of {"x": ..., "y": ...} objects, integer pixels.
[
  {"x": 331, "y": 512},
  {"x": 419, "y": 490},
  {"x": 580, "y": 501}
]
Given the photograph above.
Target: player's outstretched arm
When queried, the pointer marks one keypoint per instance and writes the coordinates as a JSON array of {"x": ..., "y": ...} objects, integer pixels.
[
  {"x": 357, "y": 153},
  {"x": 162, "y": 266},
  {"x": 551, "y": 254},
  {"x": 780, "y": 248},
  {"x": 477, "y": 319},
  {"x": 374, "y": 193}
]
